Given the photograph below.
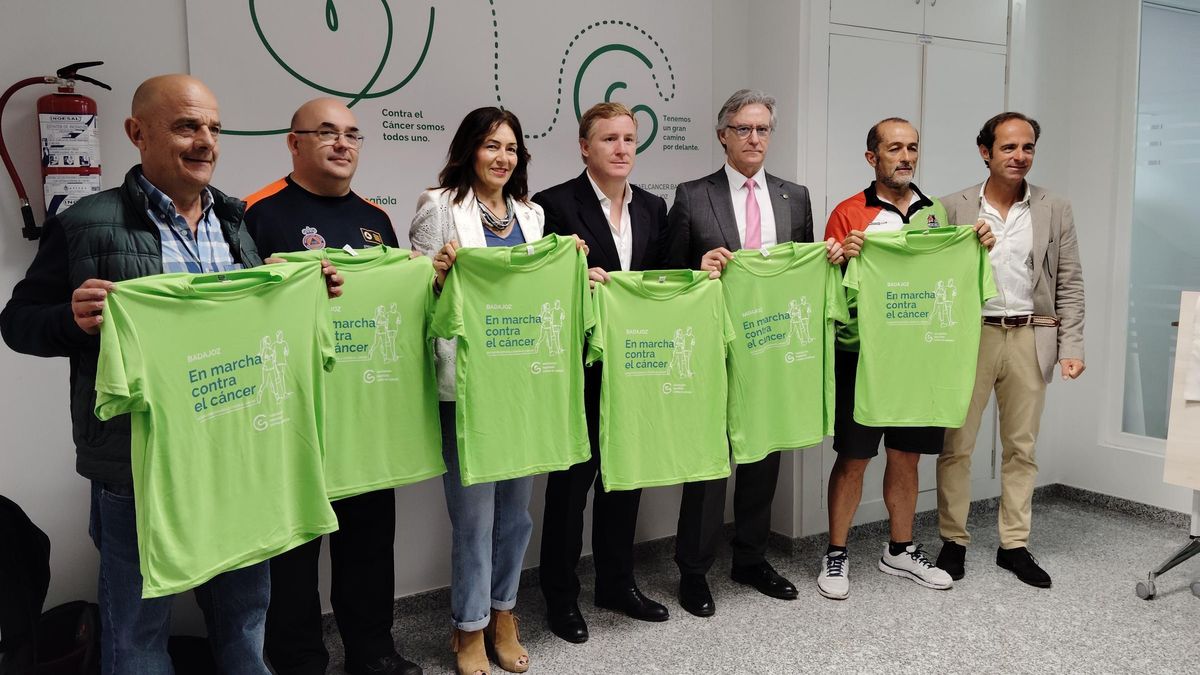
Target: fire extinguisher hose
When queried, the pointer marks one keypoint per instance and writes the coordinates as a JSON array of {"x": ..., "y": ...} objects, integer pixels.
[{"x": 31, "y": 230}]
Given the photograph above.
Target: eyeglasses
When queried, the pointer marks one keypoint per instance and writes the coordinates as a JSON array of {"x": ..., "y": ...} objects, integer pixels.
[
  {"x": 329, "y": 136},
  {"x": 744, "y": 132}
]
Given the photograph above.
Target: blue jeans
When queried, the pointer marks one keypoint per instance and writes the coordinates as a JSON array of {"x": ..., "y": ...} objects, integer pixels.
[
  {"x": 134, "y": 631},
  {"x": 491, "y": 528}
]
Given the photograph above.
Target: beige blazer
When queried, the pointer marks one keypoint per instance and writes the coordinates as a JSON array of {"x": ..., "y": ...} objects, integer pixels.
[
  {"x": 438, "y": 220},
  {"x": 1058, "y": 284}
]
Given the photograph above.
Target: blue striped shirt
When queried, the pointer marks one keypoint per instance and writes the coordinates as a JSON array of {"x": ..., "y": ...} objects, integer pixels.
[{"x": 205, "y": 252}]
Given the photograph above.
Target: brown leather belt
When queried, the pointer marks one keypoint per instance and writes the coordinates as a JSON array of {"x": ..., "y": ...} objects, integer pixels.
[{"x": 1020, "y": 321}]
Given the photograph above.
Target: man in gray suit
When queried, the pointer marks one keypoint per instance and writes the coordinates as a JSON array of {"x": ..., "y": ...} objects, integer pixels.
[
  {"x": 1035, "y": 323},
  {"x": 738, "y": 206}
]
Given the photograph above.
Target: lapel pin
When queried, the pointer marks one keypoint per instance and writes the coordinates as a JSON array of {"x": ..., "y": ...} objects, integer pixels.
[{"x": 784, "y": 195}]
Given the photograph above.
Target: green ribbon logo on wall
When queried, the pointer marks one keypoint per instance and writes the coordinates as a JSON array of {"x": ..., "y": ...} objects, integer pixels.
[{"x": 369, "y": 90}]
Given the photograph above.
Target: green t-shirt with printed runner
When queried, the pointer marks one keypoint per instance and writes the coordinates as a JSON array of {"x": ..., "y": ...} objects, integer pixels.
[
  {"x": 847, "y": 332},
  {"x": 223, "y": 376},
  {"x": 381, "y": 426},
  {"x": 663, "y": 337},
  {"x": 919, "y": 297},
  {"x": 520, "y": 315},
  {"x": 783, "y": 306}
]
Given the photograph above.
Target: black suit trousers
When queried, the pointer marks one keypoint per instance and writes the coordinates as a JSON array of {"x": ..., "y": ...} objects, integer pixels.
[
  {"x": 362, "y": 589},
  {"x": 702, "y": 514},
  {"x": 614, "y": 519}
]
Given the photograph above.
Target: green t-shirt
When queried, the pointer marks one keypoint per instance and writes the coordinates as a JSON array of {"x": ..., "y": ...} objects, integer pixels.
[
  {"x": 782, "y": 307},
  {"x": 663, "y": 337},
  {"x": 381, "y": 417},
  {"x": 520, "y": 315},
  {"x": 847, "y": 332},
  {"x": 919, "y": 295},
  {"x": 223, "y": 378}
]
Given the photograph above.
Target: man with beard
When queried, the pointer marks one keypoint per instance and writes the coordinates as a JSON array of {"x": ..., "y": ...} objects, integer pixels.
[{"x": 891, "y": 202}]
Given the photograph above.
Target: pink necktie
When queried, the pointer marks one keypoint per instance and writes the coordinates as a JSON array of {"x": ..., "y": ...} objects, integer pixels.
[{"x": 753, "y": 218}]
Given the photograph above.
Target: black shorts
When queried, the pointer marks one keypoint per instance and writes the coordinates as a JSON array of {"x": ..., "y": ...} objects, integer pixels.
[{"x": 857, "y": 441}]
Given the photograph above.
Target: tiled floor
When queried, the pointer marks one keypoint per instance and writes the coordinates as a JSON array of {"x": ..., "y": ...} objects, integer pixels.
[{"x": 1089, "y": 622}]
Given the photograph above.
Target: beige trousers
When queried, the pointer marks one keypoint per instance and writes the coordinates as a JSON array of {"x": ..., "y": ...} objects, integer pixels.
[{"x": 1007, "y": 363}]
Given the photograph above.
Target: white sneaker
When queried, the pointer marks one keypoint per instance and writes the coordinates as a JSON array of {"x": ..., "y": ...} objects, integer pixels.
[
  {"x": 913, "y": 564},
  {"x": 834, "y": 580}
]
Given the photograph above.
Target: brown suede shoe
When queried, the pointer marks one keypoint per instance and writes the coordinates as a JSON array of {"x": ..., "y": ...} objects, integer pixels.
[
  {"x": 470, "y": 654},
  {"x": 505, "y": 640}
]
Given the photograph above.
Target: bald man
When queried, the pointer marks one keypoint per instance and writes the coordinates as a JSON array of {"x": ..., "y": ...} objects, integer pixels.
[
  {"x": 313, "y": 207},
  {"x": 164, "y": 218}
]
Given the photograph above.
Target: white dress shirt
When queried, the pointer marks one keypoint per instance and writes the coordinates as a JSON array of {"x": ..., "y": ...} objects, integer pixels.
[
  {"x": 623, "y": 237},
  {"x": 737, "y": 193},
  {"x": 1012, "y": 257}
]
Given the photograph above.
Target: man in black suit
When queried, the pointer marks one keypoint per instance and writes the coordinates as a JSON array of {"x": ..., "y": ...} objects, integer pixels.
[
  {"x": 739, "y": 206},
  {"x": 625, "y": 229}
]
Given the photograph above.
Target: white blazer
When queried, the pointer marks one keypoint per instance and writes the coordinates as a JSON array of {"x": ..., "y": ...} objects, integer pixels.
[{"x": 437, "y": 221}]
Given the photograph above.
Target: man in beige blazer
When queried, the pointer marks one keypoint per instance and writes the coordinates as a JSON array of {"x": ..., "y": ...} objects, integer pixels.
[{"x": 1035, "y": 323}]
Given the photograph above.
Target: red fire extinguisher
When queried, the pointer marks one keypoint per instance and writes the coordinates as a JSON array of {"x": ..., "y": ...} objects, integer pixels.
[{"x": 70, "y": 143}]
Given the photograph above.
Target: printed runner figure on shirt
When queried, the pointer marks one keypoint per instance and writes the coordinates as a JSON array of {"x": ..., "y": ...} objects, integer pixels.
[
  {"x": 380, "y": 341},
  {"x": 550, "y": 323},
  {"x": 274, "y": 364},
  {"x": 273, "y": 356},
  {"x": 281, "y": 354},
  {"x": 551, "y": 326},
  {"x": 557, "y": 316},
  {"x": 800, "y": 313},
  {"x": 689, "y": 341},
  {"x": 387, "y": 325},
  {"x": 681, "y": 354},
  {"x": 943, "y": 303},
  {"x": 392, "y": 328},
  {"x": 383, "y": 344},
  {"x": 266, "y": 352}
]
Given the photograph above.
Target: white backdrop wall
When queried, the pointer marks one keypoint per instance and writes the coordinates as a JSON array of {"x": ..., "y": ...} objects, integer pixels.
[
  {"x": 1087, "y": 88},
  {"x": 37, "y": 463},
  {"x": 141, "y": 38},
  {"x": 1073, "y": 66},
  {"x": 1075, "y": 70},
  {"x": 410, "y": 71}
]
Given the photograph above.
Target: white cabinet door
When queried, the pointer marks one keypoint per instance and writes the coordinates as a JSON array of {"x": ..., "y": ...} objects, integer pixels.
[
  {"x": 947, "y": 92},
  {"x": 963, "y": 88},
  {"x": 860, "y": 94},
  {"x": 976, "y": 20},
  {"x": 904, "y": 16}
]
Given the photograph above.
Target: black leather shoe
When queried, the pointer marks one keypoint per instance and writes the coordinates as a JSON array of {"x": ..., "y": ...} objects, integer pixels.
[
  {"x": 952, "y": 559},
  {"x": 765, "y": 579},
  {"x": 567, "y": 623},
  {"x": 1021, "y": 562},
  {"x": 633, "y": 604},
  {"x": 694, "y": 595},
  {"x": 392, "y": 664}
]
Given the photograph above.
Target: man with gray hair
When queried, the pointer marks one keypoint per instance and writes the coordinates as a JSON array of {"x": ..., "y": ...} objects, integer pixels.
[{"x": 738, "y": 206}]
